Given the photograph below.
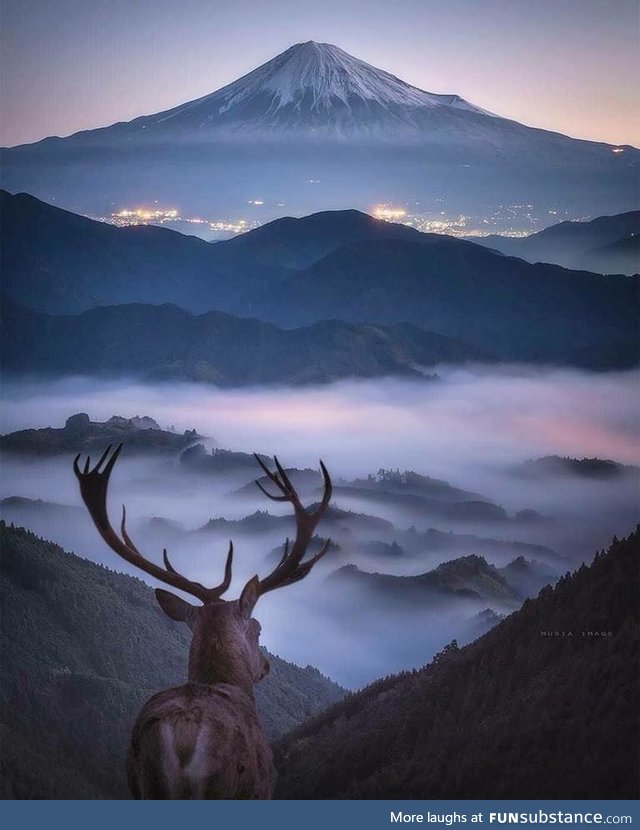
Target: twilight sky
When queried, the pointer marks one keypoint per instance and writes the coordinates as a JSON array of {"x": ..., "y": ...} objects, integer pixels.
[{"x": 565, "y": 65}]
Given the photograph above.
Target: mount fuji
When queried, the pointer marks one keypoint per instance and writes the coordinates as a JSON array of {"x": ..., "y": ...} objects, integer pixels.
[
  {"x": 316, "y": 128},
  {"x": 310, "y": 88}
]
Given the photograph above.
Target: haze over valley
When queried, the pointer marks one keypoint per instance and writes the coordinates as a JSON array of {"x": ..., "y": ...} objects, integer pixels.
[{"x": 470, "y": 432}]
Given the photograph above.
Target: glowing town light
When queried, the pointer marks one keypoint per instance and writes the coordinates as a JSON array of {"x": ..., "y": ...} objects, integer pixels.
[
  {"x": 618, "y": 150},
  {"x": 386, "y": 212}
]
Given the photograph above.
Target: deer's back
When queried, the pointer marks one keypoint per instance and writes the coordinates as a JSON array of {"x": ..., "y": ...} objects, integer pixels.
[{"x": 199, "y": 741}]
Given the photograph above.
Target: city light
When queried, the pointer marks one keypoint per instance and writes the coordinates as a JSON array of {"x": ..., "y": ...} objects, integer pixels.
[
  {"x": 514, "y": 220},
  {"x": 388, "y": 212},
  {"x": 127, "y": 217},
  {"x": 141, "y": 216}
]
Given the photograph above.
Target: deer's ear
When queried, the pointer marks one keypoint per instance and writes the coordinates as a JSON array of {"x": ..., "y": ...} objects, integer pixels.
[
  {"x": 175, "y": 607},
  {"x": 249, "y": 597}
]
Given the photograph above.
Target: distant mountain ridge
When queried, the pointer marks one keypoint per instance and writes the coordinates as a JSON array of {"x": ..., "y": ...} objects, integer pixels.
[
  {"x": 516, "y": 310},
  {"x": 58, "y": 262},
  {"x": 607, "y": 244},
  {"x": 368, "y": 272},
  {"x": 167, "y": 343},
  {"x": 81, "y": 434},
  {"x": 555, "y": 465},
  {"x": 468, "y": 576}
]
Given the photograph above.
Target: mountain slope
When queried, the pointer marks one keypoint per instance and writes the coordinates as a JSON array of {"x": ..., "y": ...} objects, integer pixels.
[
  {"x": 56, "y": 261},
  {"x": 53, "y": 260},
  {"x": 318, "y": 90},
  {"x": 607, "y": 244},
  {"x": 543, "y": 706},
  {"x": 80, "y": 434},
  {"x": 82, "y": 649},
  {"x": 350, "y": 267},
  {"x": 621, "y": 256},
  {"x": 166, "y": 342},
  {"x": 297, "y": 243},
  {"x": 317, "y": 115},
  {"x": 504, "y": 305},
  {"x": 309, "y": 86},
  {"x": 467, "y": 576}
]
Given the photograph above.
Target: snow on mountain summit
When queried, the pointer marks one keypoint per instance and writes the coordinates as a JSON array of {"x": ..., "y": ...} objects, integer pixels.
[
  {"x": 312, "y": 84},
  {"x": 328, "y": 72}
]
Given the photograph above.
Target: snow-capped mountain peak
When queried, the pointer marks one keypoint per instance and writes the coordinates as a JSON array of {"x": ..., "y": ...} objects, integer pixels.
[
  {"x": 327, "y": 72},
  {"x": 314, "y": 85}
]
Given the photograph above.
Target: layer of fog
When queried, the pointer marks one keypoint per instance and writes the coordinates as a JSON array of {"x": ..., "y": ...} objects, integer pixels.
[{"x": 470, "y": 428}]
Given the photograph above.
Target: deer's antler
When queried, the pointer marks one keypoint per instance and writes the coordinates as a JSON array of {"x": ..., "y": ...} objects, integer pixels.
[
  {"x": 291, "y": 568},
  {"x": 93, "y": 489}
]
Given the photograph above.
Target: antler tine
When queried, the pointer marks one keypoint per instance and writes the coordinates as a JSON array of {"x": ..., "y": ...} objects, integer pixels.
[
  {"x": 102, "y": 457},
  {"x": 94, "y": 484},
  {"x": 123, "y": 531},
  {"x": 267, "y": 471},
  {"x": 269, "y": 495},
  {"x": 273, "y": 478},
  {"x": 328, "y": 489},
  {"x": 167, "y": 563},
  {"x": 290, "y": 568},
  {"x": 300, "y": 572},
  {"x": 285, "y": 552},
  {"x": 222, "y": 587},
  {"x": 284, "y": 478},
  {"x": 280, "y": 479}
]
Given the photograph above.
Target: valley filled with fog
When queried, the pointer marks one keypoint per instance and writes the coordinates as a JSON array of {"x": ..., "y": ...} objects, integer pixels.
[{"x": 480, "y": 439}]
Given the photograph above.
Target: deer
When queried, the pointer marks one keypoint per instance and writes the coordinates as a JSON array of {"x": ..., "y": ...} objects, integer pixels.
[{"x": 204, "y": 739}]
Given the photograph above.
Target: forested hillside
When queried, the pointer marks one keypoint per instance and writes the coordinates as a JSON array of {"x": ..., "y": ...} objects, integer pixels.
[
  {"x": 542, "y": 706},
  {"x": 82, "y": 649}
]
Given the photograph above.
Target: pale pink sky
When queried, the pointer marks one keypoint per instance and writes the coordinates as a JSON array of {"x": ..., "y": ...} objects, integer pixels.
[{"x": 565, "y": 65}]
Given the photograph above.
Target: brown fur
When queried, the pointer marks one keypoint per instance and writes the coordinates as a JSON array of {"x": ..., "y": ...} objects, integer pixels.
[{"x": 185, "y": 738}]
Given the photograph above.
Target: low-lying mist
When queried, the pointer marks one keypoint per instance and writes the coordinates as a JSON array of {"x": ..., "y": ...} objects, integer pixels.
[{"x": 472, "y": 428}]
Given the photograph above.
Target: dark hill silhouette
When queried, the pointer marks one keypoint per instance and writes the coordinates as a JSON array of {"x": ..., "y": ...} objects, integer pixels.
[
  {"x": 81, "y": 434},
  {"x": 475, "y": 510},
  {"x": 56, "y": 261},
  {"x": 467, "y": 576},
  {"x": 166, "y": 342},
  {"x": 297, "y": 243},
  {"x": 556, "y": 465},
  {"x": 369, "y": 272},
  {"x": 504, "y": 305},
  {"x": 219, "y": 461},
  {"x": 578, "y": 244},
  {"x": 621, "y": 256},
  {"x": 408, "y": 482},
  {"x": 53, "y": 260},
  {"x": 543, "y": 706}
]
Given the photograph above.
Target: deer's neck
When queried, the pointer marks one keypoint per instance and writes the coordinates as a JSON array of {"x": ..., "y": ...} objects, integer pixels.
[{"x": 217, "y": 661}]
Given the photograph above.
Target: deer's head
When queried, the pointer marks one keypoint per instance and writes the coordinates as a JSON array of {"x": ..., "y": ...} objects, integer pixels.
[{"x": 225, "y": 643}]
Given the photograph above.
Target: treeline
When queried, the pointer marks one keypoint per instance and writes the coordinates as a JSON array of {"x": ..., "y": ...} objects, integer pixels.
[{"x": 543, "y": 706}]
